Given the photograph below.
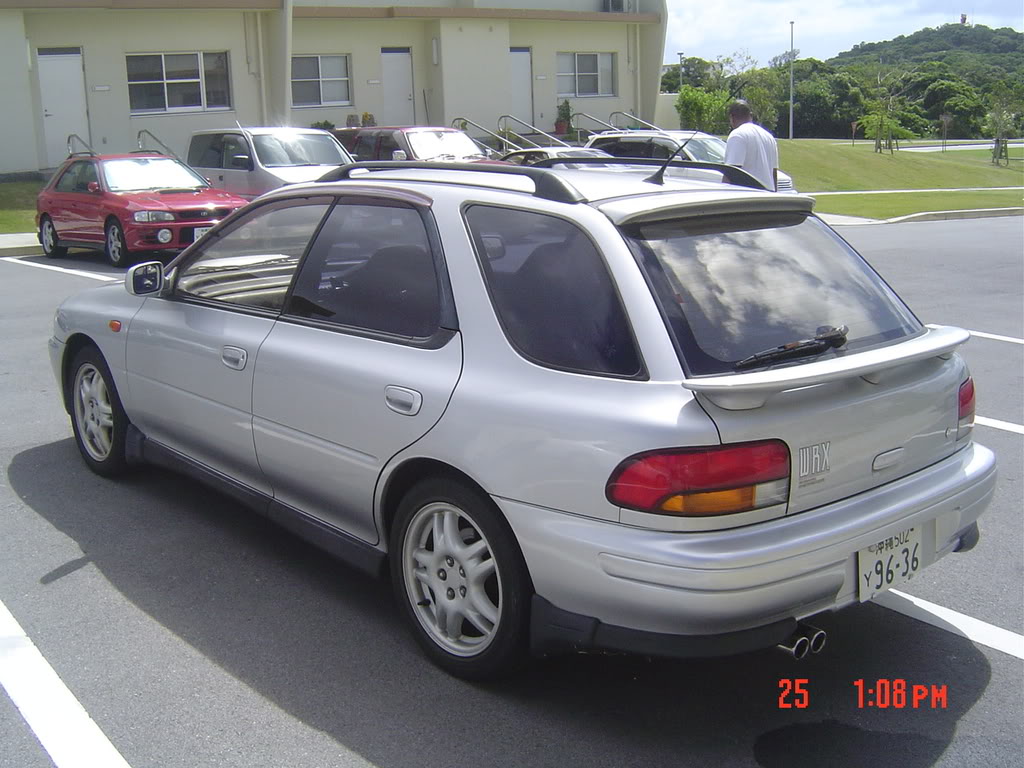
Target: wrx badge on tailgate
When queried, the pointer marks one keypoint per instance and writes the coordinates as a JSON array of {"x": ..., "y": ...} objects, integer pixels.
[{"x": 813, "y": 463}]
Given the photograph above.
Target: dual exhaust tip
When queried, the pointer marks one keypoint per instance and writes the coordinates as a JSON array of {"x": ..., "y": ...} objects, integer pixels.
[{"x": 806, "y": 639}]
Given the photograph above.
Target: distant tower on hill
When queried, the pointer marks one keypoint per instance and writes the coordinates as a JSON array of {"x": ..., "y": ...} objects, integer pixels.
[{"x": 963, "y": 18}]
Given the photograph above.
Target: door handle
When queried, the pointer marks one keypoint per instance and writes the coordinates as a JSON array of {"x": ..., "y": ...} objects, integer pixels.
[
  {"x": 404, "y": 401},
  {"x": 234, "y": 357}
]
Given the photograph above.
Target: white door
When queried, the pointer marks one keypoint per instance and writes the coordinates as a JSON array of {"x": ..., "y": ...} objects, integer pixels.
[
  {"x": 396, "y": 80},
  {"x": 521, "y": 76},
  {"x": 62, "y": 92}
]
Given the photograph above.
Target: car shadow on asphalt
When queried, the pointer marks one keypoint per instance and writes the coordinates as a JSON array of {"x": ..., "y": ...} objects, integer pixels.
[{"x": 324, "y": 643}]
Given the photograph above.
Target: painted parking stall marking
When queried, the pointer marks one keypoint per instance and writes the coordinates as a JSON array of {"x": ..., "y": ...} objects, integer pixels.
[
  {"x": 1006, "y": 426},
  {"x": 76, "y": 272},
  {"x": 996, "y": 337},
  {"x": 58, "y": 720}
]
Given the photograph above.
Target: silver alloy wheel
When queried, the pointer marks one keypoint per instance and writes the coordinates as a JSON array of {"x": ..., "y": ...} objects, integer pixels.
[
  {"x": 115, "y": 251},
  {"x": 94, "y": 413},
  {"x": 451, "y": 579},
  {"x": 49, "y": 236}
]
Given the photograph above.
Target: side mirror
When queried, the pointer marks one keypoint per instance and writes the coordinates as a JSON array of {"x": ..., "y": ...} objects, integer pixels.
[
  {"x": 145, "y": 279},
  {"x": 399, "y": 155},
  {"x": 93, "y": 187},
  {"x": 241, "y": 161}
]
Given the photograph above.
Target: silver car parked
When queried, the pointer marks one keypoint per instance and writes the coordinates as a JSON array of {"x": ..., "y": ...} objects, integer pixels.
[{"x": 568, "y": 409}]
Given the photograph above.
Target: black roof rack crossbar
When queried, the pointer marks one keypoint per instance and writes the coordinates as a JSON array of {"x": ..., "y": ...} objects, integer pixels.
[
  {"x": 733, "y": 173},
  {"x": 547, "y": 185}
]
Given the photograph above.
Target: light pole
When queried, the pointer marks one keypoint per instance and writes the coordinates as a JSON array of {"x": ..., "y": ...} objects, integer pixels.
[
  {"x": 680, "y": 55},
  {"x": 791, "y": 57}
]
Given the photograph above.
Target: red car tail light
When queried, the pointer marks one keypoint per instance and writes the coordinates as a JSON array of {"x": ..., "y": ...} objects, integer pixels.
[
  {"x": 700, "y": 482},
  {"x": 965, "y": 415}
]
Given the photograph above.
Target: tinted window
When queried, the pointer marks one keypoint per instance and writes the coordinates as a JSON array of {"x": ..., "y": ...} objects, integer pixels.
[
  {"x": 365, "y": 146},
  {"x": 205, "y": 151},
  {"x": 552, "y": 292},
  {"x": 388, "y": 144},
  {"x": 734, "y": 286},
  {"x": 67, "y": 181},
  {"x": 370, "y": 268},
  {"x": 252, "y": 264}
]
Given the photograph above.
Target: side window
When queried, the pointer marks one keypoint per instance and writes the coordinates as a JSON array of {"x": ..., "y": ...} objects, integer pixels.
[
  {"x": 86, "y": 175},
  {"x": 371, "y": 268},
  {"x": 388, "y": 144},
  {"x": 233, "y": 146},
  {"x": 662, "y": 150},
  {"x": 252, "y": 264},
  {"x": 552, "y": 292},
  {"x": 205, "y": 150},
  {"x": 68, "y": 180},
  {"x": 365, "y": 146}
]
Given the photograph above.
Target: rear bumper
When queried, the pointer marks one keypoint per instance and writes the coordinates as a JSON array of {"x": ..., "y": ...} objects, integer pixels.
[{"x": 755, "y": 581}]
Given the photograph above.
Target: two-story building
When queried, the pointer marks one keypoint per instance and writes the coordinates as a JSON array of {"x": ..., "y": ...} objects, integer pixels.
[{"x": 104, "y": 69}]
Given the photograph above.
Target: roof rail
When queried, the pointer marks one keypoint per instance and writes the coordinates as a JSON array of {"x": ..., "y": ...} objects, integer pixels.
[
  {"x": 634, "y": 118},
  {"x": 547, "y": 185},
  {"x": 167, "y": 150},
  {"x": 733, "y": 173},
  {"x": 72, "y": 138}
]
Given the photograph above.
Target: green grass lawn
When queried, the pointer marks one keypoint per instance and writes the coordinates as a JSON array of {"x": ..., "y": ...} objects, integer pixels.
[
  {"x": 821, "y": 165},
  {"x": 903, "y": 204},
  {"x": 18, "y": 206}
]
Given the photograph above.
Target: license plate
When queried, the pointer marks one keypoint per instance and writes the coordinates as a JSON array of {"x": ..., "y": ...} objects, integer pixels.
[
  {"x": 199, "y": 232},
  {"x": 888, "y": 562}
]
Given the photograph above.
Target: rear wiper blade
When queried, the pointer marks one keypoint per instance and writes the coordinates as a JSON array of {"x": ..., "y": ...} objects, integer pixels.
[{"x": 826, "y": 338}]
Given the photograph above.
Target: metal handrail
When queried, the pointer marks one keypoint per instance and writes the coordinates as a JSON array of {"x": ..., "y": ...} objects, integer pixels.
[
  {"x": 505, "y": 118},
  {"x": 634, "y": 118},
  {"x": 589, "y": 117},
  {"x": 168, "y": 150},
  {"x": 467, "y": 121},
  {"x": 72, "y": 138}
]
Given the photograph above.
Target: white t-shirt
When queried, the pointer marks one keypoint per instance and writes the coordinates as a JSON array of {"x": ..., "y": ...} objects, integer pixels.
[{"x": 754, "y": 150}]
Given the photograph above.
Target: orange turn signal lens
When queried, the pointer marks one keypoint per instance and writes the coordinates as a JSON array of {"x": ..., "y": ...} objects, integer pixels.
[
  {"x": 711, "y": 503},
  {"x": 115, "y": 326}
]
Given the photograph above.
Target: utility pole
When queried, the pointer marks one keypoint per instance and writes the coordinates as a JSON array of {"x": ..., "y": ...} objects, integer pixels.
[
  {"x": 680, "y": 55},
  {"x": 791, "y": 57}
]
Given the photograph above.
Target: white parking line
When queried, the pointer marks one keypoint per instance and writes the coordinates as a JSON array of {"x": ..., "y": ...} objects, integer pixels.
[
  {"x": 975, "y": 630},
  {"x": 78, "y": 272},
  {"x": 997, "y": 424},
  {"x": 63, "y": 727},
  {"x": 1010, "y": 339}
]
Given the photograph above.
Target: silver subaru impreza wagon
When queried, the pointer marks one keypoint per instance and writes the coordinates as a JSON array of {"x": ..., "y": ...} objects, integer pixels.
[{"x": 565, "y": 410}]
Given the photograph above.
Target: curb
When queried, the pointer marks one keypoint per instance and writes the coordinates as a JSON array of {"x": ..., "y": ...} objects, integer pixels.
[
  {"x": 21, "y": 250},
  {"x": 976, "y": 213}
]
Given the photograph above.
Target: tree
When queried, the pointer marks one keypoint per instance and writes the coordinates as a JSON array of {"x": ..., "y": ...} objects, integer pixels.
[
  {"x": 670, "y": 80},
  {"x": 701, "y": 110},
  {"x": 956, "y": 98}
]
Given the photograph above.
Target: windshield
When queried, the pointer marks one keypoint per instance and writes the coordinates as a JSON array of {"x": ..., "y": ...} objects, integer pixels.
[
  {"x": 132, "y": 174},
  {"x": 730, "y": 287},
  {"x": 442, "y": 145},
  {"x": 709, "y": 149},
  {"x": 283, "y": 149}
]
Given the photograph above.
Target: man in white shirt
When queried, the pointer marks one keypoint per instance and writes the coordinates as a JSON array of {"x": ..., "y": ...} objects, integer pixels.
[{"x": 751, "y": 147}]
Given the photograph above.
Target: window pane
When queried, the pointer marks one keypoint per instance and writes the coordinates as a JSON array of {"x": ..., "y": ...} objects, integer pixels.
[
  {"x": 587, "y": 85},
  {"x": 182, "y": 66},
  {"x": 204, "y": 151},
  {"x": 254, "y": 262},
  {"x": 607, "y": 73},
  {"x": 333, "y": 66},
  {"x": 145, "y": 68},
  {"x": 586, "y": 63},
  {"x": 566, "y": 85},
  {"x": 305, "y": 68},
  {"x": 66, "y": 183},
  {"x": 552, "y": 292},
  {"x": 566, "y": 63},
  {"x": 184, "y": 95},
  {"x": 218, "y": 89},
  {"x": 371, "y": 268},
  {"x": 335, "y": 90},
  {"x": 305, "y": 92},
  {"x": 146, "y": 97}
]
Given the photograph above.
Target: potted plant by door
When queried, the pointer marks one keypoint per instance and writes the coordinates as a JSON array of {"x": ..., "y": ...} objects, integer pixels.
[{"x": 562, "y": 117}]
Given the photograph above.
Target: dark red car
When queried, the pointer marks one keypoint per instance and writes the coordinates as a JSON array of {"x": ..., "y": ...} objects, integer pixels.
[{"x": 127, "y": 204}]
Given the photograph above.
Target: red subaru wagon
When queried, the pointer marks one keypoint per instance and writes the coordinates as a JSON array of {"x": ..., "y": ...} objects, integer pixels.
[{"x": 128, "y": 204}]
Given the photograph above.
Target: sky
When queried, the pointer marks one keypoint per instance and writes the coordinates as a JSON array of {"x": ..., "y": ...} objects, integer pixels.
[{"x": 822, "y": 28}]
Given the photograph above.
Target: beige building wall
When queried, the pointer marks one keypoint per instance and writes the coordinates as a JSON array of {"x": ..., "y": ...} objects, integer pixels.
[{"x": 18, "y": 147}]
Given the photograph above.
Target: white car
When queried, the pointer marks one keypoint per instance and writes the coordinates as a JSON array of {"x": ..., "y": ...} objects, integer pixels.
[{"x": 699, "y": 146}]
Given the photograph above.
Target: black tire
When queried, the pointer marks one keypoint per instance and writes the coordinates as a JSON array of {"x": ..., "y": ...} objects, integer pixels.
[
  {"x": 48, "y": 239},
  {"x": 114, "y": 246},
  {"x": 97, "y": 417},
  {"x": 478, "y": 578}
]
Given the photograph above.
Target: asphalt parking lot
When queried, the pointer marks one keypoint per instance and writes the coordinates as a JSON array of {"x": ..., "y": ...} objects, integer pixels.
[{"x": 193, "y": 634}]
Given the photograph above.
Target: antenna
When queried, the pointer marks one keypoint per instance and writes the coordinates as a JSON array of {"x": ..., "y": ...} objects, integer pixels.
[{"x": 658, "y": 177}]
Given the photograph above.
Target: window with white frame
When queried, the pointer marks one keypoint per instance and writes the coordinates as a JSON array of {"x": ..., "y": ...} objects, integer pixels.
[
  {"x": 586, "y": 74},
  {"x": 177, "y": 82},
  {"x": 321, "y": 81}
]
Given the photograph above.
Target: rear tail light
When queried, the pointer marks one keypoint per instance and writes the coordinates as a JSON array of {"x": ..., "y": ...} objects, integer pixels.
[
  {"x": 702, "y": 482},
  {"x": 965, "y": 414}
]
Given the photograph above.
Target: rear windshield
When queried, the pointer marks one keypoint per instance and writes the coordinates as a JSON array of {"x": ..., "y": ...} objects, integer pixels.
[{"x": 730, "y": 287}]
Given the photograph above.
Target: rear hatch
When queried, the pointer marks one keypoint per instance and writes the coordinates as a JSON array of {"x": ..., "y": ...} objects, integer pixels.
[{"x": 861, "y": 393}]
